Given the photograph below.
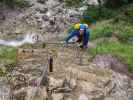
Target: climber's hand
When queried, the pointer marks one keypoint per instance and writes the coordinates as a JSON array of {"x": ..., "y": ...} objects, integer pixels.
[
  {"x": 83, "y": 47},
  {"x": 65, "y": 44}
]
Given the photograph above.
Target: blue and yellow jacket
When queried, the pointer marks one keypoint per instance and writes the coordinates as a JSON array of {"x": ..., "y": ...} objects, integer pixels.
[{"x": 75, "y": 32}]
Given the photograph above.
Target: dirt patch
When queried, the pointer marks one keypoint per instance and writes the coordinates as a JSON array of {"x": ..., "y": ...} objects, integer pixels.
[{"x": 111, "y": 62}]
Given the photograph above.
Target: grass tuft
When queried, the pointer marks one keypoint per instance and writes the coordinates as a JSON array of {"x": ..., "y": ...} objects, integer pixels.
[{"x": 8, "y": 55}]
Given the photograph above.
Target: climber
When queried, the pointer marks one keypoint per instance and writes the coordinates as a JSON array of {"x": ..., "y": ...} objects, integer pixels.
[{"x": 80, "y": 33}]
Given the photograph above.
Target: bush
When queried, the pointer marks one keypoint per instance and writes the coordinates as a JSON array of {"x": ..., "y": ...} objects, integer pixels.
[
  {"x": 103, "y": 29},
  {"x": 126, "y": 14},
  {"x": 100, "y": 13},
  {"x": 115, "y": 3},
  {"x": 72, "y": 3},
  {"x": 8, "y": 54},
  {"x": 130, "y": 68},
  {"x": 15, "y": 3},
  {"x": 121, "y": 30}
]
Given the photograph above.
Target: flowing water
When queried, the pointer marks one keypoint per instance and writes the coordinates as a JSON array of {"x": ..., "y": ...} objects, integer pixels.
[{"x": 27, "y": 39}]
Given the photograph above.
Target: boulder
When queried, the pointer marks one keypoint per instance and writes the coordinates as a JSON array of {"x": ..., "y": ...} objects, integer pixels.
[
  {"x": 36, "y": 93},
  {"x": 58, "y": 96}
]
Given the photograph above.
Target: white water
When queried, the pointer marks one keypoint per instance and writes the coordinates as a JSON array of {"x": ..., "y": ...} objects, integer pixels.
[{"x": 28, "y": 39}]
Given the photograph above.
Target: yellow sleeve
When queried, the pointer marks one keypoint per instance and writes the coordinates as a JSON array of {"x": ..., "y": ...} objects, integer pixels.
[{"x": 77, "y": 26}]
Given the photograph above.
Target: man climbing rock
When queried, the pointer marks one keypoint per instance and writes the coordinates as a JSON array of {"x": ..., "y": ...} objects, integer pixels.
[{"x": 80, "y": 33}]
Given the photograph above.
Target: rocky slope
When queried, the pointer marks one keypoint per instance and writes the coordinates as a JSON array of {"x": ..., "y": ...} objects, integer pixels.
[
  {"x": 74, "y": 76},
  {"x": 70, "y": 80}
]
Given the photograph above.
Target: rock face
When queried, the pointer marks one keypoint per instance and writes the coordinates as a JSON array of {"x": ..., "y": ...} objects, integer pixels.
[
  {"x": 110, "y": 62},
  {"x": 106, "y": 61},
  {"x": 47, "y": 17}
]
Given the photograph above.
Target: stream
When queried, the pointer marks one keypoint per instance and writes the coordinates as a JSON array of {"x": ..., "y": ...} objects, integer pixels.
[{"x": 27, "y": 39}]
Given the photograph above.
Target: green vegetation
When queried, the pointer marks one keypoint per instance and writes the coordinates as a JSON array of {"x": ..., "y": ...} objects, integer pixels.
[
  {"x": 116, "y": 3},
  {"x": 108, "y": 28},
  {"x": 103, "y": 29},
  {"x": 121, "y": 50},
  {"x": 107, "y": 3},
  {"x": 7, "y": 55},
  {"x": 7, "y": 59},
  {"x": 71, "y": 3},
  {"x": 121, "y": 27},
  {"x": 5, "y": 69},
  {"x": 125, "y": 14},
  {"x": 100, "y": 14},
  {"x": 2, "y": 72},
  {"x": 14, "y": 3}
]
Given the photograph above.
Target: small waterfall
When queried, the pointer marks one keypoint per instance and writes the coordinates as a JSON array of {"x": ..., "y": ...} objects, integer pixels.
[{"x": 27, "y": 39}]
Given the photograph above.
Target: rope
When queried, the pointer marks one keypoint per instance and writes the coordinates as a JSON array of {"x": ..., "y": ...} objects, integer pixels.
[
  {"x": 76, "y": 50},
  {"x": 41, "y": 79}
]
